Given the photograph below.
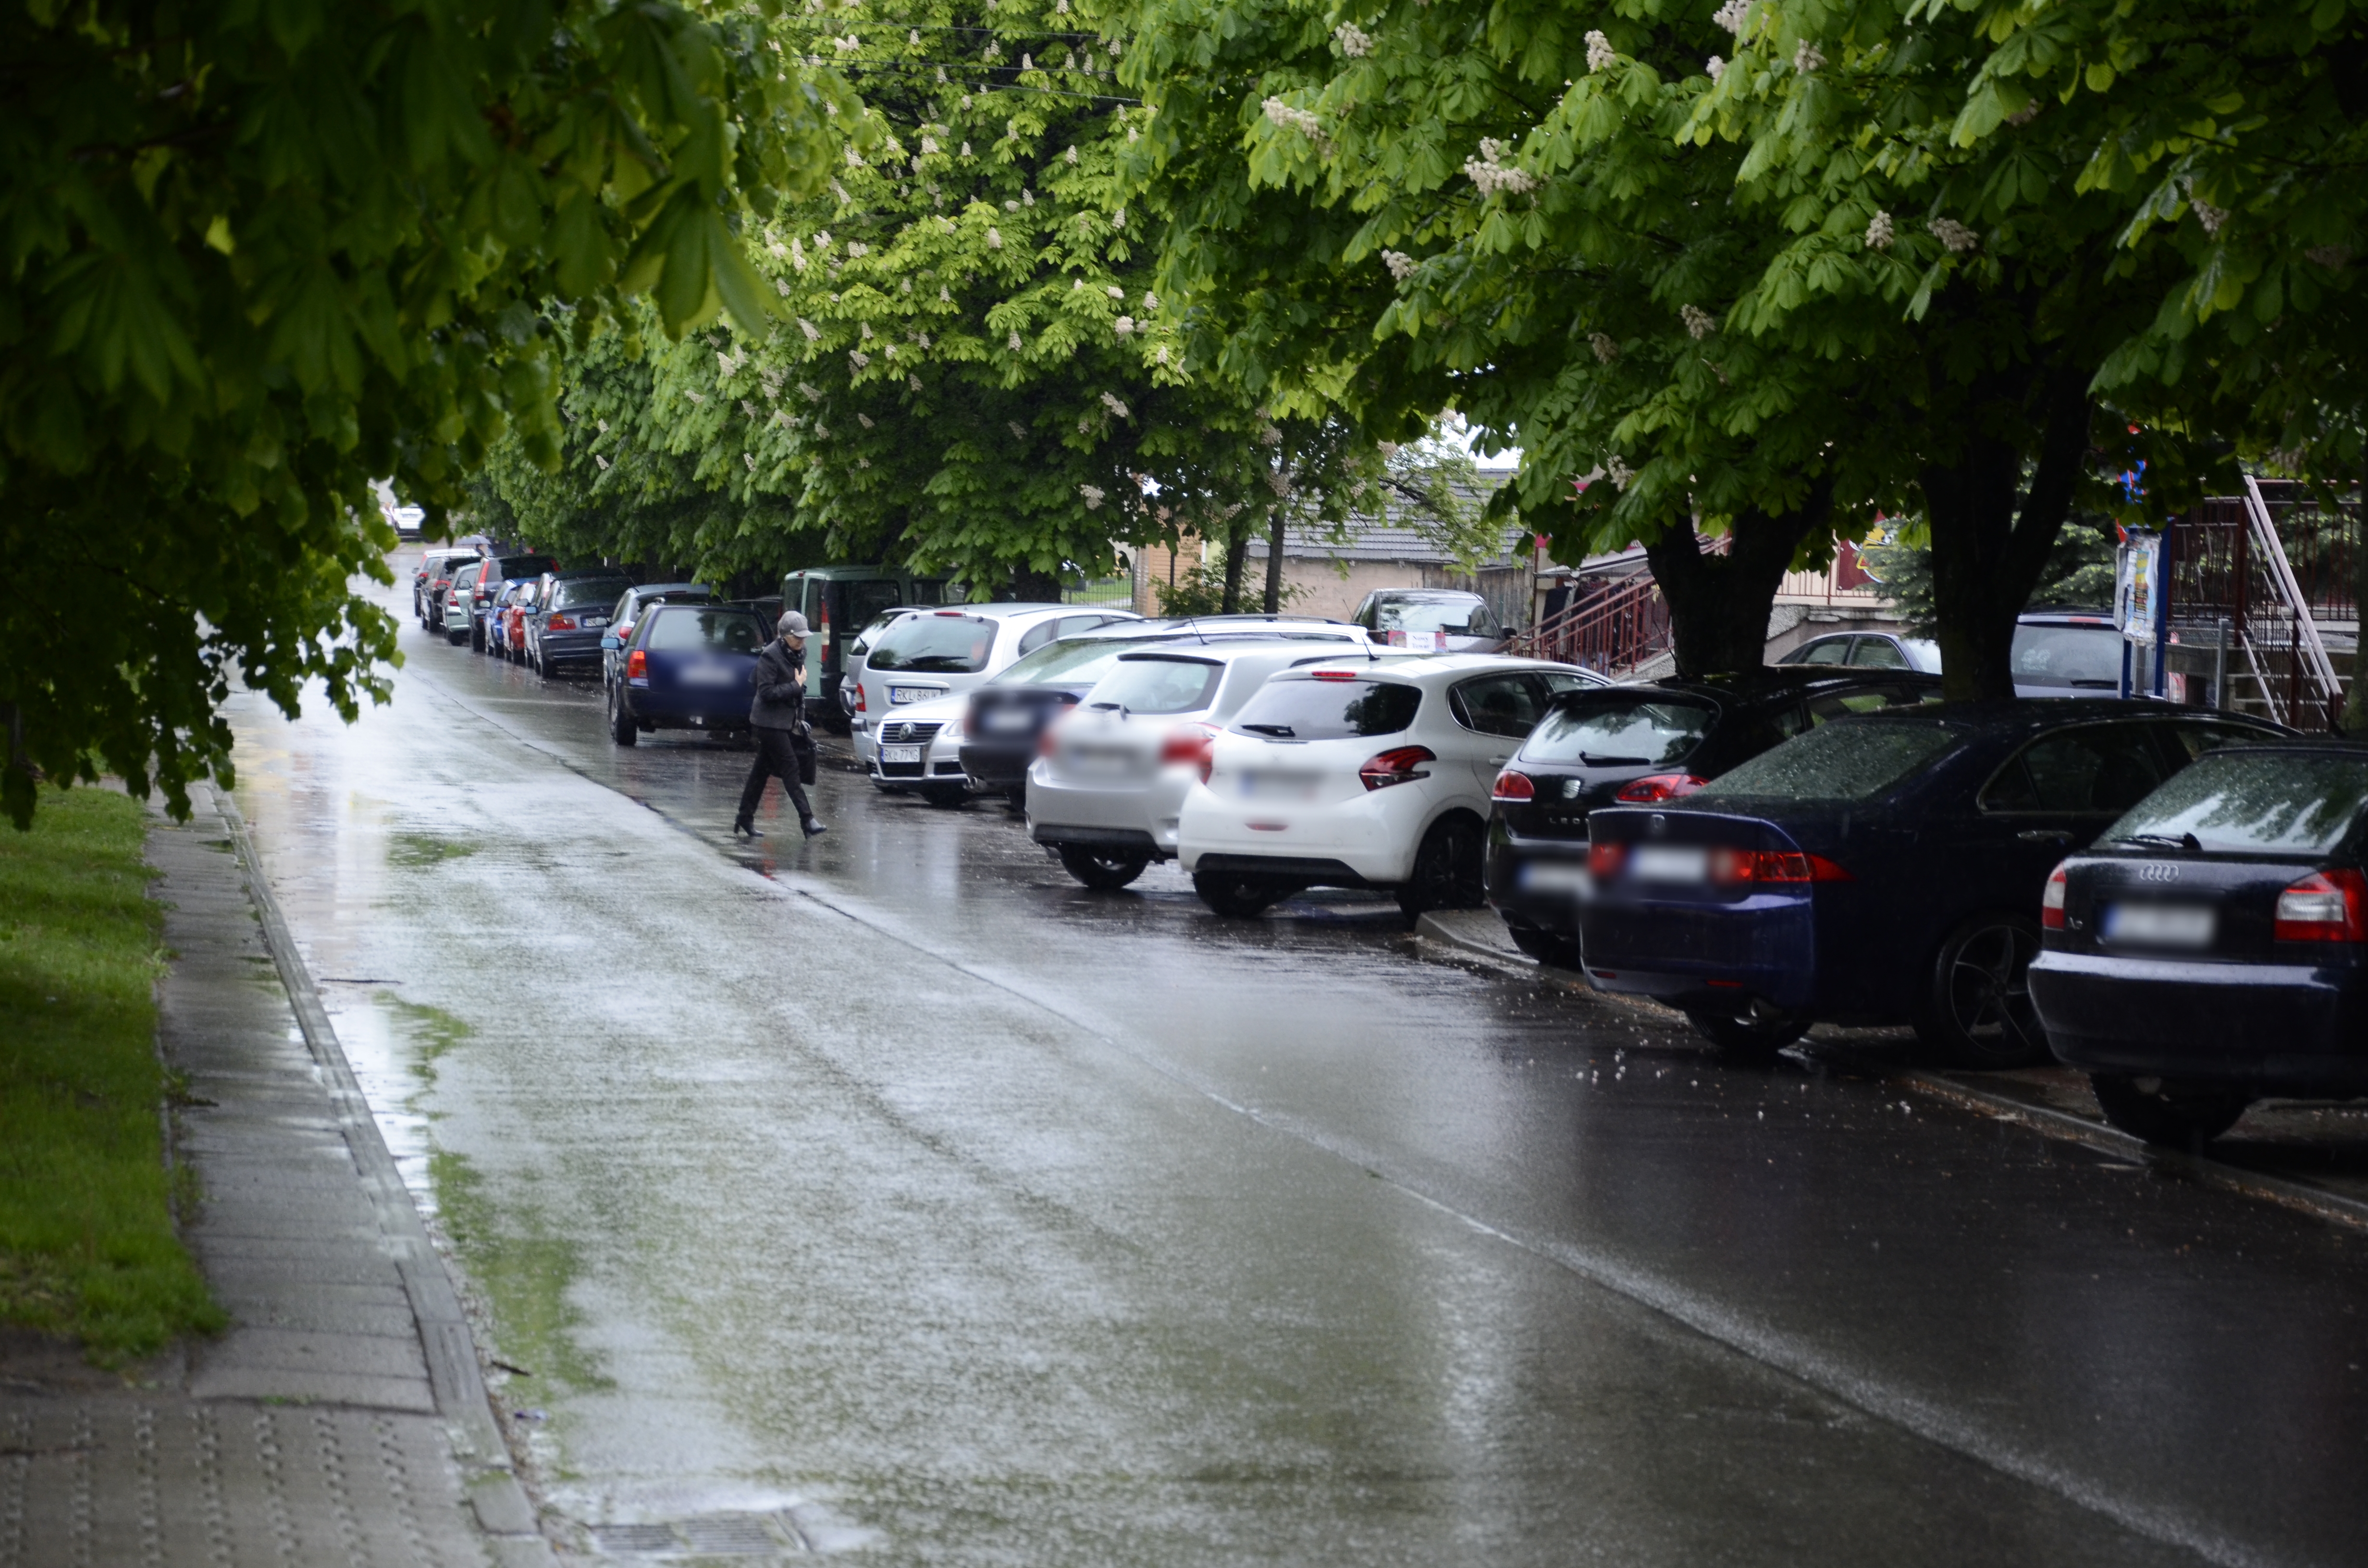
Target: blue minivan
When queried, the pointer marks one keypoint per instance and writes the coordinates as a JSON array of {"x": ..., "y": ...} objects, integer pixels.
[{"x": 688, "y": 667}]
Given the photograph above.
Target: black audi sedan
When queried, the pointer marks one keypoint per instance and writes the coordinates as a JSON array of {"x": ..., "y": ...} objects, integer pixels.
[
  {"x": 2212, "y": 947},
  {"x": 1637, "y": 744},
  {"x": 1884, "y": 869}
]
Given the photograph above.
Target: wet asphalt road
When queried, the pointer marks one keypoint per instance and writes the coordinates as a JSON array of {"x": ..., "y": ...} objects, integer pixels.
[{"x": 993, "y": 1220}]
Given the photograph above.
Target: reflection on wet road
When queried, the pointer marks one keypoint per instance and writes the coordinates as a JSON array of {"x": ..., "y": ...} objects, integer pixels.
[{"x": 990, "y": 1220}]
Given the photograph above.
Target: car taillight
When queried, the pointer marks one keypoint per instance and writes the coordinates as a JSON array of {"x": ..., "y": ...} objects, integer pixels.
[
  {"x": 1657, "y": 786},
  {"x": 860, "y": 707},
  {"x": 1512, "y": 786},
  {"x": 2051, "y": 902},
  {"x": 1399, "y": 764},
  {"x": 1336, "y": 675},
  {"x": 1773, "y": 866},
  {"x": 1188, "y": 744},
  {"x": 1603, "y": 860},
  {"x": 637, "y": 664},
  {"x": 559, "y": 623},
  {"x": 2325, "y": 906}
]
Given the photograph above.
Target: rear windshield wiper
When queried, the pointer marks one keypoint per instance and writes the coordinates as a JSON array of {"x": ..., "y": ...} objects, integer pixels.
[
  {"x": 1271, "y": 729},
  {"x": 2186, "y": 841},
  {"x": 1593, "y": 761},
  {"x": 2099, "y": 684}
]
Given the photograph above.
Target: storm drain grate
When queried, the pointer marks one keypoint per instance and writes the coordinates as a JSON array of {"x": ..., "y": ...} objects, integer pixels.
[{"x": 710, "y": 1535}]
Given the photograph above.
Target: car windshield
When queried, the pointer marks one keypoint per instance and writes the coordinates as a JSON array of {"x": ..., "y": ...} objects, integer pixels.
[
  {"x": 1073, "y": 660},
  {"x": 583, "y": 594},
  {"x": 940, "y": 642},
  {"x": 2254, "y": 800},
  {"x": 1157, "y": 683},
  {"x": 719, "y": 631},
  {"x": 1846, "y": 760},
  {"x": 1328, "y": 709},
  {"x": 1457, "y": 618},
  {"x": 1619, "y": 729},
  {"x": 2087, "y": 656}
]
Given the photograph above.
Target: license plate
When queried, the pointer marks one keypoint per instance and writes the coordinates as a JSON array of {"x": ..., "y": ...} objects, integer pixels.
[
  {"x": 592, "y": 620},
  {"x": 1554, "y": 876},
  {"x": 1670, "y": 863},
  {"x": 2161, "y": 925},
  {"x": 709, "y": 675},
  {"x": 1278, "y": 786},
  {"x": 1101, "y": 763},
  {"x": 1007, "y": 720},
  {"x": 900, "y": 753},
  {"x": 911, "y": 693}
]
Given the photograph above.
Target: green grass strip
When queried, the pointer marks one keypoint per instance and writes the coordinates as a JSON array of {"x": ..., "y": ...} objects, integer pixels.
[{"x": 86, "y": 1241}]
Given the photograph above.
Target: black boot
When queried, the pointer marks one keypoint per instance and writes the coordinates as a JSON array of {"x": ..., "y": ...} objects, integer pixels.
[
  {"x": 812, "y": 827},
  {"x": 748, "y": 829}
]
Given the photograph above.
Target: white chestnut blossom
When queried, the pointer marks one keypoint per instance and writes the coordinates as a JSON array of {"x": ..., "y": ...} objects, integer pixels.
[
  {"x": 1112, "y": 403},
  {"x": 1808, "y": 58},
  {"x": 1018, "y": 431},
  {"x": 1402, "y": 265},
  {"x": 601, "y": 461},
  {"x": 1619, "y": 472},
  {"x": 1026, "y": 63},
  {"x": 1093, "y": 495},
  {"x": 1115, "y": 292},
  {"x": 750, "y": 458},
  {"x": 913, "y": 382},
  {"x": 748, "y": 408},
  {"x": 1699, "y": 323},
  {"x": 994, "y": 239},
  {"x": 1605, "y": 349},
  {"x": 2211, "y": 217},
  {"x": 1599, "y": 52},
  {"x": 1071, "y": 155},
  {"x": 1879, "y": 233},
  {"x": 1150, "y": 301},
  {"x": 1117, "y": 218},
  {"x": 1733, "y": 16},
  {"x": 1489, "y": 172},
  {"x": 696, "y": 397},
  {"x": 864, "y": 420},
  {"x": 1715, "y": 66},
  {"x": 1353, "y": 40},
  {"x": 1123, "y": 326},
  {"x": 858, "y": 358},
  {"x": 1954, "y": 234},
  {"x": 863, "y": 331},
  {"x": 1014, "y": 343},
  {"x": 2333, "y": 257},
  {"x": 811, "y": 395},
  {"x": 1284, "y": 116},
  {"x": 1160, "y": 358},
  {"x": 814, "y": 333}
]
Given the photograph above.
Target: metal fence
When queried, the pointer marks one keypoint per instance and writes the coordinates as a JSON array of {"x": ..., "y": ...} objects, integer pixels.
[{"x": 2256, "y": 583}]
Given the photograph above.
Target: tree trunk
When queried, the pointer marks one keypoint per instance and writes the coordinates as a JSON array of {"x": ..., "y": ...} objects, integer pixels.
[
  {"x": 1238, "y": 554},
  {"x": 1719, "y": 604},
  {"x": 1988, "y": 554},
  {"x": 1274, "y": 565}
]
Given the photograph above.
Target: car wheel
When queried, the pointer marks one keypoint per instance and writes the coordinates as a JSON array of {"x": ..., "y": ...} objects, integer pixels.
[
  {"x": 621, "y": 728},
  {"x": 1231, "y": 894},
  {"x": 2172, "y": 1116},
  {"x": 945, "y": 794},
  {"x": 1449, "y": 869},
  {"x": 1748, "y": 1038},
  {"x": 1977, "y": 1010},
  {"x": 1105, "y": 870},
  {"x": 1547, "y": 947}
]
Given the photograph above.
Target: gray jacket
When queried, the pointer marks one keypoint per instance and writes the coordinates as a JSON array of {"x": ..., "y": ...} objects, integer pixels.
[{"x": 781, "y": 683}]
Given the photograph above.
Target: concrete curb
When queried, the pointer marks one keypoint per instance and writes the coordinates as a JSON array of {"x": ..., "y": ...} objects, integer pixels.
[
  {"x": 502, "y": 1507},
  {"x": 2045, "y": 1120}
]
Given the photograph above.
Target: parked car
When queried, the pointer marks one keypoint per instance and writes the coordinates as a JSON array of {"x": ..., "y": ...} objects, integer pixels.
[
  {"x": 1107, "y": 792},
  {"x": 431, "y": 579},
  {"x": 452, "y": 612},
  {"x": 2212, "y": 947},
  {"x": 922, "y": 657},
  {"x": 687, "y": 667},
  {"x": 493, "y": 574},
  {"x": 1868, "y": 650},
  {"x": 568, "y": 616},
  {"x": 851, "y": 660},
  {"x": 2056, "y": 653},
  {"x": 1883, "y": 869},
  {"x": 1373, "y": 775},
  {"x": 505, "y": 620},
  {"x": 631, "y": 605},
  {"x": 1638, "y": 744},
  {"x": 1004, "y": 723},
  {"x": 1447, "y": 620},
  {"x": 840, "y": 600}
]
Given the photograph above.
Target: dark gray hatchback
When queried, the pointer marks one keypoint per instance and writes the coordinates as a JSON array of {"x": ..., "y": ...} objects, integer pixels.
[{"x": 2212, "y": 947}]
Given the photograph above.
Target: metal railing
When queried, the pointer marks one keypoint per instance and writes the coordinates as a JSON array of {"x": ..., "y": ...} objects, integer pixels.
[
  {"x": 1621, "y": 624},
  {"x": 2257, "y": 576}
]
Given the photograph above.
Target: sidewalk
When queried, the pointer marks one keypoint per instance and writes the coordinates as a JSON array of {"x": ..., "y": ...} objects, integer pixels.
[{"x": 342, "y": 1418}]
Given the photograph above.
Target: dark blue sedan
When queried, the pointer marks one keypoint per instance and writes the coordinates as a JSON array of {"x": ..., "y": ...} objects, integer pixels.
[
  {"x": 2213, "y": 947},
  {"x": 687, "y": 667},
  {"x": 1883, "y": 869}
]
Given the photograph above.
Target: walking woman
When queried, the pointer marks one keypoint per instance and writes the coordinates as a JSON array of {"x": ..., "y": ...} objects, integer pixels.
[{"x": 785, "y": 745}]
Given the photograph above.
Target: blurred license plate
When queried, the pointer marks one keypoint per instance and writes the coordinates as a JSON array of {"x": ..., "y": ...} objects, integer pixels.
[
  {"x": 594, "y": 621},
  {"x": 1279, "y": 786},
  {"x": 1554, "y": 876},
  {"x": 709, "y": 675},
  {"x": 1093, "y": 764},
  {"x": 1670, "y": 863},
  {"x": 1007, "y": 719},
  {"x": 911, "y": 693},
  {"x": 900, "y": 753},
  {"x": 2160, "y": 924}
]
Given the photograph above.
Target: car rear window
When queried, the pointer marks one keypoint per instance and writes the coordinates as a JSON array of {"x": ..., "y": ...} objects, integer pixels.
[
  {"x": 578, "y": 596},
  {"x": 723, "y": 631},
  {"x": 524, "y": 565},
  {"x": 1071, "y": 659},
  {"x": 1622, "y": 729},
  {"x": 2083, "y": 656},
  {"x": 1326, "y": 709},
  {"x": 1158, "y": 683},
  {"x": 1846, "y": 760},
  {"x": 2255, "y": 801},
  {"x": 1457, "y": 618},
  {"x": 936, "y": 644}
]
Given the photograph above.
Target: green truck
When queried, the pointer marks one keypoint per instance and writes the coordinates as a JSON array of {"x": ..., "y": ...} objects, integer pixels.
[{"x": 838, "y": 602}]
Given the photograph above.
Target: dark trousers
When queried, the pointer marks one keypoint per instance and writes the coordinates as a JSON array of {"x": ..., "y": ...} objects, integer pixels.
[{"x": 781, "y": 753}]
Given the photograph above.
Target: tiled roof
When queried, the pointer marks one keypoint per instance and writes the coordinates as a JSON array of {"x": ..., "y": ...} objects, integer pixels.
[{"x": 1394, "y": 537}]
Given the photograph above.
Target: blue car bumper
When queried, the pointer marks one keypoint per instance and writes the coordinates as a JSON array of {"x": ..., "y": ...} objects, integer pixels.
[{"x": 1701, "y": 952}]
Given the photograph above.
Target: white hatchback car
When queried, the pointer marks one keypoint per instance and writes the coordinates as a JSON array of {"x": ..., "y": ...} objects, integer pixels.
[
  {"x": 1108, "y": 787},
  {"x": 1372, "y": 776},
  {"x": 933, "y": 654}
]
